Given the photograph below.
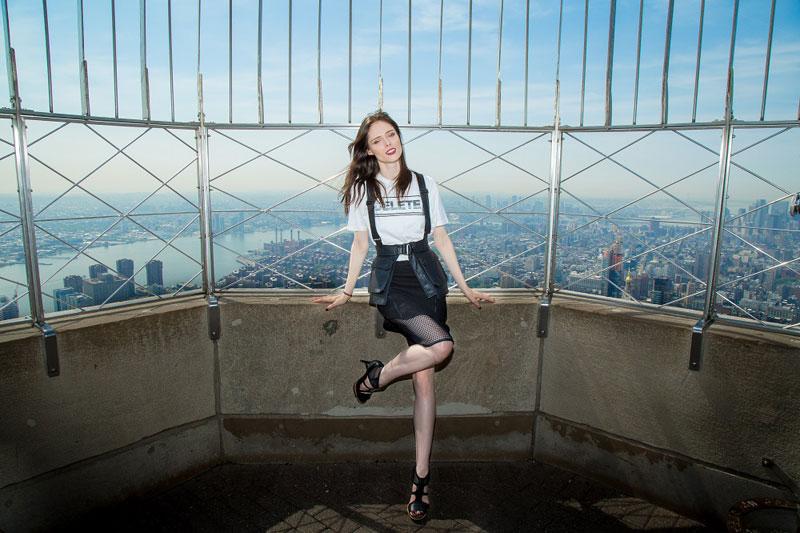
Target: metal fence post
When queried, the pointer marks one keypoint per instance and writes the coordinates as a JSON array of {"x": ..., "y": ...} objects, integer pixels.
[
  {"x": 24, "y": 192},
  {"x": 29, "y": 243},
  {"x": 206, "y": 234},
  {"x": 709, "y": 312},
  {"x": 552, "y": 223}
]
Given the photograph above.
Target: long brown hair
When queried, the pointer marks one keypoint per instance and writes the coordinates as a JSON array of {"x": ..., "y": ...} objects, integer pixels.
[{"x": 364, "y": 167}]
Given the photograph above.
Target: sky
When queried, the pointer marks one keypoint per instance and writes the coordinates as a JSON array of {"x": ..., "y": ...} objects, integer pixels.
[{"x": 379, "y": 44}]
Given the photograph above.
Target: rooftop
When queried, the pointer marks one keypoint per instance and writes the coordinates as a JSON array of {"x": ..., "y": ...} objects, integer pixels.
[{"x": 369, "y": 497}]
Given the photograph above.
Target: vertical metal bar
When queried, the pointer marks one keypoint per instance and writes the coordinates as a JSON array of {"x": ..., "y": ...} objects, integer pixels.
[
  {"x": 47, "y": 54},
  {"x": 83, "y": 67},
  {"x": 380, "y": 57},
  {"x": 29, "y": 237},
  {"x": 204, "y": 192},
  {"x": 638, "y": 62},
  {"x": 171, "y": 69},
  {"x": 697, "y": 61},
  {"x": 439, "y": 97},
  {"x": 26, "y": 217},
  {"x": 260, "y": 85},
  {"x": 552, "y": 222},
  {"x": 665, "y": 69},
  {"x": 143, "y": 59},
  {"x": 230, "y": 61},
  {"x": 350, "y": 62},
  {"x": 527, "y": 42},
  {"x": 290, "y": 62},
  {"x": 583, "y": 68},
  {"x": 610, "y": 60},
  {"x": 709, "y": 313},
  {"x": 543, "y": 315},
  {"x": 199, "y": 20},
  {"x": 206, "y": 231},
  {"x": 767, "y": 60},
  {"x": 469, "y": 60},
  {"x": 498, "y": 95},
  {"x": 114, "y": 54},
  {"x": 558, "y": 47},
  {"x": 319, "y": 59},
  {"x": 732, "y": 50},
  {"x": 409, "y": 62},
  {"x": 10, "y": 71}
]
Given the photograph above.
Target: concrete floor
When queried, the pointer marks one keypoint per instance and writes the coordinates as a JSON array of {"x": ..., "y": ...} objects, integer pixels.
[{"x": 371, "y": 497}]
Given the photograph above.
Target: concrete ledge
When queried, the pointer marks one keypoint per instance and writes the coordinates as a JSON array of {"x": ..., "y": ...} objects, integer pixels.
[
  {"x": 682, "y": 484},
  {"x": 284, "y": 355},
  {"x": 125, "y": 375},
  {"x": 626, "y": 372},
  {"x": 161, "y": 460},
  {"x": 500, "y": 437}
]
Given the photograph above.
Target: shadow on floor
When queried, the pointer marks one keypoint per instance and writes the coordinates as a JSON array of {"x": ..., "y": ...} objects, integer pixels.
[{"x": 372, "y": 497}]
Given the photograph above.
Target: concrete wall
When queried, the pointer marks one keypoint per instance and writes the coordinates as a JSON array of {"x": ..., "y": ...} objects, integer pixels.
[
  {"x": 126, "y": 377},
  {"x": 289, "y": 358},
  {"x": 144, "y": 398},
  {"x": 618, "y": 400}
]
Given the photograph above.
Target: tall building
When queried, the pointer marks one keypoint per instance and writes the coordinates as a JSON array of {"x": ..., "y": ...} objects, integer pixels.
[
  {"x": 75, "y": 282},
  {"x": 77, "y": 301},
  {"x": 239, "y": 219},
  {"x": 155, "y": 272},
  {"x": 8, "y": 309},
  {"x": 662, "y": 291},
  {"x": 125, "y": 269},
  {"x": 97, "y": 269},
  {"x": 640, "y": 284},
  {"x": 612, "y": 262},
  {"x": 104, "y": 288},
  {"x": 216, "y": 223},
  {"x": 61, "y": 296},
  {"x": 700, "y": 268}
]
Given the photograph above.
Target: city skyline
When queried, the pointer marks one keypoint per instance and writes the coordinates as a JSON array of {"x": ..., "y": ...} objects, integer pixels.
[{"x": 608, "y": 257}]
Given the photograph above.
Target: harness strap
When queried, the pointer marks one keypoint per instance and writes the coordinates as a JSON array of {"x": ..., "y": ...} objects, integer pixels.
[
  {"x": 371, "y": 210},
  {"x": 423, "y": 192}
]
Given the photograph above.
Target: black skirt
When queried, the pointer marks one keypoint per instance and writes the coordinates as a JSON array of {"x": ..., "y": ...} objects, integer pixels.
[{"x": 421, "y": 320}]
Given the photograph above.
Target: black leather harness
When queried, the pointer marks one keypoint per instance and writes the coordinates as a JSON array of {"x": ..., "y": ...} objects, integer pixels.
[{"x": 423, "y": 261}]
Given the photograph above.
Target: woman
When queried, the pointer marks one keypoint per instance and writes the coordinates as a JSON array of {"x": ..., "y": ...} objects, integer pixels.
[{"x": 396, "y": 208}]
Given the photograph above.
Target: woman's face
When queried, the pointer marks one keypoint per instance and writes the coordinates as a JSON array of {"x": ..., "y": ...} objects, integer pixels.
[{"x": 384, "y": 143}]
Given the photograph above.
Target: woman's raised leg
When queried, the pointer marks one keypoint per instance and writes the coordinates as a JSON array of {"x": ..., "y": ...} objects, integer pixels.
[{"x": 413, "y": 359}]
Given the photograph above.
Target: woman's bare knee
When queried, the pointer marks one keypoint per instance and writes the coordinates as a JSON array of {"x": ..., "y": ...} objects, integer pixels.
[{"x": 441, "y": 351}]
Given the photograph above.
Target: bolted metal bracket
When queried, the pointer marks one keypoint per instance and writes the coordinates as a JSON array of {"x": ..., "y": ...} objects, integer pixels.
[
  {"x": 698, "y": 343},
  {"x": 214, "y": 324},
  {"x": 543, "y": 319},
  {"x": 50, "y": 350}
]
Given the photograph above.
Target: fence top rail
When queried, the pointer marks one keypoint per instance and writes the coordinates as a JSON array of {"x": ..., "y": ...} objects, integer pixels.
[{"x": 9, "y": 113}]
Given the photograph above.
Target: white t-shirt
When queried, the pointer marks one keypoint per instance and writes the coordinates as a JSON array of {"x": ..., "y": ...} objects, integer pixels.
[{"x": 403, "y": 221}]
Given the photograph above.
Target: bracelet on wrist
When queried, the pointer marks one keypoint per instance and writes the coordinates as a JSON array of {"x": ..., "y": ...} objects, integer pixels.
[{"x": 347, "y": 294}]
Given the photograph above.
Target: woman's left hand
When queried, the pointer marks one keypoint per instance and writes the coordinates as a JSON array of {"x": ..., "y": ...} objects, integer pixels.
[{"x": 476, "y": 297}]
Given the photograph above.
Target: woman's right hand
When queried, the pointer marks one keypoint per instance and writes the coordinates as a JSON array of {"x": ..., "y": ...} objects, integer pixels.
[{"x": 334, "y": 300}]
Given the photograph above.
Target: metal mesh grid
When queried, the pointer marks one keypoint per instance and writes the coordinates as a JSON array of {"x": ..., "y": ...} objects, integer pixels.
[{"x": 87, "y": 228}]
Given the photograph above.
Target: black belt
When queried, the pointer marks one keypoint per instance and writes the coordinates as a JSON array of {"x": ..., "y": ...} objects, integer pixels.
[{"x": 406, "y": 249}]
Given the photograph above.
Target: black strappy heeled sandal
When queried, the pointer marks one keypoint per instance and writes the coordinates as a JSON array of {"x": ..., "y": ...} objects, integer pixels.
[
  {"x": 370, "y": 379},
  {"x": 418, "y": 509}
]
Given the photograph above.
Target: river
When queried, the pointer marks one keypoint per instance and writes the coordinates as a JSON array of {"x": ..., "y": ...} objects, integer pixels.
[{"x": 178, "y": 269}]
